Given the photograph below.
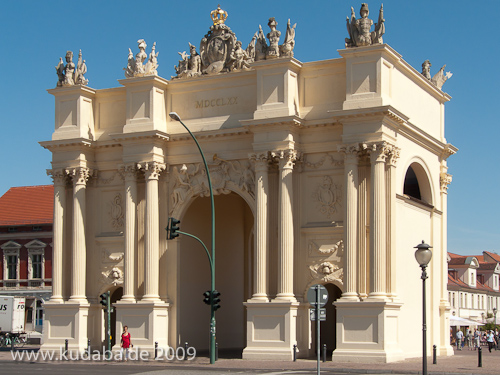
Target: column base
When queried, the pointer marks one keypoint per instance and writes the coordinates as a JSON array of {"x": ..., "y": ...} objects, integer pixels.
[
  {"x": 368, "y": 331},
  {"x": 65, "y": 321},
  {"x": 147, "y": 323},
  {"x": 271, "y": 330}
]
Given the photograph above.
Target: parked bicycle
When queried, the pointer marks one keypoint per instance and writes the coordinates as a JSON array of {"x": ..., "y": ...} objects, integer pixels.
[{"x": 7, "y": 338}]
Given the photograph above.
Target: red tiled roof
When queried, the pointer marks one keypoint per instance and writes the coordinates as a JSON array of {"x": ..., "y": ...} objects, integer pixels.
[
  {"x": 493, "y": 255},
  {"x": 452, "y": 281},
  {"x": 487, "y": 266},
  {"x": 27, "y": 205}
]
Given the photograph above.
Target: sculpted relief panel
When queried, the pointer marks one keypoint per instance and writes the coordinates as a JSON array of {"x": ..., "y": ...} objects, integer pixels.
[
  {"x": 325, "y": 259},
  {"x": 190, "y": 180}
]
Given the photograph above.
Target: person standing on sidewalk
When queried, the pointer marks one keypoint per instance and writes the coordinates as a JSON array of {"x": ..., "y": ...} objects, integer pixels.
[
  {"x": 459, "y": 336},
  {"x": 469, "y": 338},
  {"x": 490, "y": 338},
  {"x": 477, "y": 339},
  {"x": 126, "y": 342}
]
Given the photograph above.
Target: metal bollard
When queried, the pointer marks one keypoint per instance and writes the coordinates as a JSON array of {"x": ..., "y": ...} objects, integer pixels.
[
  {"x": 66, "y": 347},
  {"x": 324, "y": 352},
  {"x": 12, "y": 338},
  {"x": 88, "y": 346},
  {"x": 294, "y": 352},
  {"x": 186, "y": 346},
  {"x": 216, "y": 351},
  {"x": 480, "y": 357},
  {"x": 156, "y": 349},
  {"x": 434, "y": 354}
]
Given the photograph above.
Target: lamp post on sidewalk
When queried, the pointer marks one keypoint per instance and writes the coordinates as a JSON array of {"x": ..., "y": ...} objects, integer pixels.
[
  {"x": 423, "y": 254},
  {"x": 176, "y": 117}
]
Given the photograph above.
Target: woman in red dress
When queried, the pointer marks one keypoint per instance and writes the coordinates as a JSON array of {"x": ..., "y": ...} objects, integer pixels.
[{"x": 126, "y": 343}]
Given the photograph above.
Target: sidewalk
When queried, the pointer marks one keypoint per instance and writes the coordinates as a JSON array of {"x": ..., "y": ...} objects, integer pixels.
[{"x": 463, "y": 362}]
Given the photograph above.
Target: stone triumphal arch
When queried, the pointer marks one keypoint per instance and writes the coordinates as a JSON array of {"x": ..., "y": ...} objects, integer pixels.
[{"x": 315, "y": 168}]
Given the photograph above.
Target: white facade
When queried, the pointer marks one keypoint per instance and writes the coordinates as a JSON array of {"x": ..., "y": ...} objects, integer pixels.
[{"x": 308, "y": 163}]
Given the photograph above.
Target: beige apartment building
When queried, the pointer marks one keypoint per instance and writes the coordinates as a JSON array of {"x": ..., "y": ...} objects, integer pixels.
[{"x": 324, "y": 172}]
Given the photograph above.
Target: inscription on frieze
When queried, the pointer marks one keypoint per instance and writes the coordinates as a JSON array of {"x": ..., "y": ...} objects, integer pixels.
[{"x": 219, "y": 102}]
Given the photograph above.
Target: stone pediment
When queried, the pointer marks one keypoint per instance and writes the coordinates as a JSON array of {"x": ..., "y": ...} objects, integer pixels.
[{"x": 11, "y": 245}]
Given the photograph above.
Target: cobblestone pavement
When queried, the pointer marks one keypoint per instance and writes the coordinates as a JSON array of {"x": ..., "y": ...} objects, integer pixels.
[{"x": 463, "y": 362}]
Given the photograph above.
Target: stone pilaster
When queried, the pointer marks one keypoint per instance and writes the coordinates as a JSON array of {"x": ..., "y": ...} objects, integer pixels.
[
  {"x": 286, "y": 160},
  {"x": 363, "y": 256},
  {"x": 378, "y": 241},
  {"x": 392, "y": 157},
  {"x": 79, "y": 176},
  {"x": 60, "y": 178},
  {"x": 151, "y": 244},
  {"x": 129, "y": 172},
  {"x": 350, "y": 220},
  {"x": 260, "y": 283}
]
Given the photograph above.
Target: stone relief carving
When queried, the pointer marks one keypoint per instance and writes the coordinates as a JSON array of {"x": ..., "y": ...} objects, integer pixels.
[
  {"x": 328, "y": 195},
  {"x": 136, "y": 67},
  {"x": 320, "y": 162},
  {"x": 191, "y": 180},
  {"x": 68, "y": 74},
  {"x": 112, "y": 276},
  {"x": 116, "y": 212},
  {"x": 327, "y": 249},
  {"x": 359, "y": 30},
  {"x": 107, "y": 255},
  {"x": 327, "y": 272},
  {"x": 221, "y": 52},
  {"x": 439, "y": 78}
]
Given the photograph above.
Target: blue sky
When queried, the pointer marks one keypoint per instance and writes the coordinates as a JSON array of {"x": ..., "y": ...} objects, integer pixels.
[{"x": 458, "y": 33}]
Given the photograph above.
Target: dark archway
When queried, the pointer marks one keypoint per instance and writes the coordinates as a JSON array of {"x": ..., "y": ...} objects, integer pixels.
[
  {"x": 328, "y": 328},
  {"x": 411, "y": 187},
  {"x": 234, "y": 223},
  {"x": 417, "y": 185},
  {"x": 115, "y": 296}
]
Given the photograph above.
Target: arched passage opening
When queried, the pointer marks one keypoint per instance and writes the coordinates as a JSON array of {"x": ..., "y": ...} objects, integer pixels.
[
  {"x": 328, "y": 328},
  {"x": 233, "y": 223},
  {"x": 416, "y": 184}
]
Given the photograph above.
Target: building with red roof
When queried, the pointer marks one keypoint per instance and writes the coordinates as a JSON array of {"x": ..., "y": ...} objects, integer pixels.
[
  {"x": 26, "y": 216},
  {"x": 473, "y": 285}
]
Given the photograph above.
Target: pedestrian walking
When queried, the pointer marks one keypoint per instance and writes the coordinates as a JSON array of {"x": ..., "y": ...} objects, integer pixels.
[
  {"x": 490, "y": 338},
  {"x": 469, "y": 339},
  {"x": 477, "y": 339},
  {"x": 459, "y": 336}
]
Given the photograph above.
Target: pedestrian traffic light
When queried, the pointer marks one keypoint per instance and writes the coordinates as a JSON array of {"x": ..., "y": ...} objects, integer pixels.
[
  {"x": 216, "y": 300},
  {"x": 206, "y": 296},
  {"x": 173, "y": 227},
  {"x": 104, "y": 300}
]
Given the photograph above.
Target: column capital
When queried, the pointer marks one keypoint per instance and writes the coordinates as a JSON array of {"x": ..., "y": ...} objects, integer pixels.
[
  {"x": 129, "y": 171},
  {"x": 286, "y": 158},
  {"x": 59, "y": 176},
  {"x": 378, "y": 151},
  {"x": 445, "y": 180},
  {"x": 79, "y": 175},
  {"x": 261, "y": 160},
  {"x": 393, "y": 154},
  {"x": 351, "y": 152},
  {"x": 152, "y": 169}
]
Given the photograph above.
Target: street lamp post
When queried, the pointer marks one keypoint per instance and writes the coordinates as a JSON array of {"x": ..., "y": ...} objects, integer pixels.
[
  {"x": 495, "y": 316},
  {"x": 175, "y": 116},
  {"x": 423, "y": 254}
]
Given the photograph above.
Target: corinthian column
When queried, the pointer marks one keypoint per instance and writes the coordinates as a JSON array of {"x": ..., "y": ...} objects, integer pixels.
[
  {"x": 286, "y": 160},
  {"x": 59, "y": 178},
  {"x": 260, "y": 282},
  {"x": 378, "y": 223},
  {"x": 350, "y": 219},
  {"x": 78, "y": 266},
  {"x": 129, "y": 171},
  {"x": 151, "y": 235},
  {"x": 393, "y": 156}
]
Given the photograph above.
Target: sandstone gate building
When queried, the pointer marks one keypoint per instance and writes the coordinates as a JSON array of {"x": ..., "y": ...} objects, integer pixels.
[{"x": 323, "y": 172}]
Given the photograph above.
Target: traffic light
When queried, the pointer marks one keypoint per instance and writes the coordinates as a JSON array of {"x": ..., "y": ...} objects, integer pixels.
[
  {"x": 104, "y": 300},
  {"x": 173, "y": 227},
  {"x": 216, "y": 300},
  {"x": 206, "y": 298}
]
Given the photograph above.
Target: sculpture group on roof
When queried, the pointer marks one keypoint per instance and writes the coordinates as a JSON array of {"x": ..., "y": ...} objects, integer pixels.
[
  {"x": 221, "y": 52},
  {"x": 136, "y": 67},
  {"x": 359, "y": 30},
  {"x": 68, "y": 75}
]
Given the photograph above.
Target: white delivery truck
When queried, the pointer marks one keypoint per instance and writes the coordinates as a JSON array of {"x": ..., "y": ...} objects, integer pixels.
[{"x": 12, "y": 314}]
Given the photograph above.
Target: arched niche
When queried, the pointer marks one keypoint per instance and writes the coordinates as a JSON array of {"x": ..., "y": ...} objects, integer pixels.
[{"x": 417, "y": 184}]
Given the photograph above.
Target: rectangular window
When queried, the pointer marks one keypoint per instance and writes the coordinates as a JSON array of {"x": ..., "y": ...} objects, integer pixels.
[
  {"x": 36, "y": 263},
  {"x": 12, "y": 267}
]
